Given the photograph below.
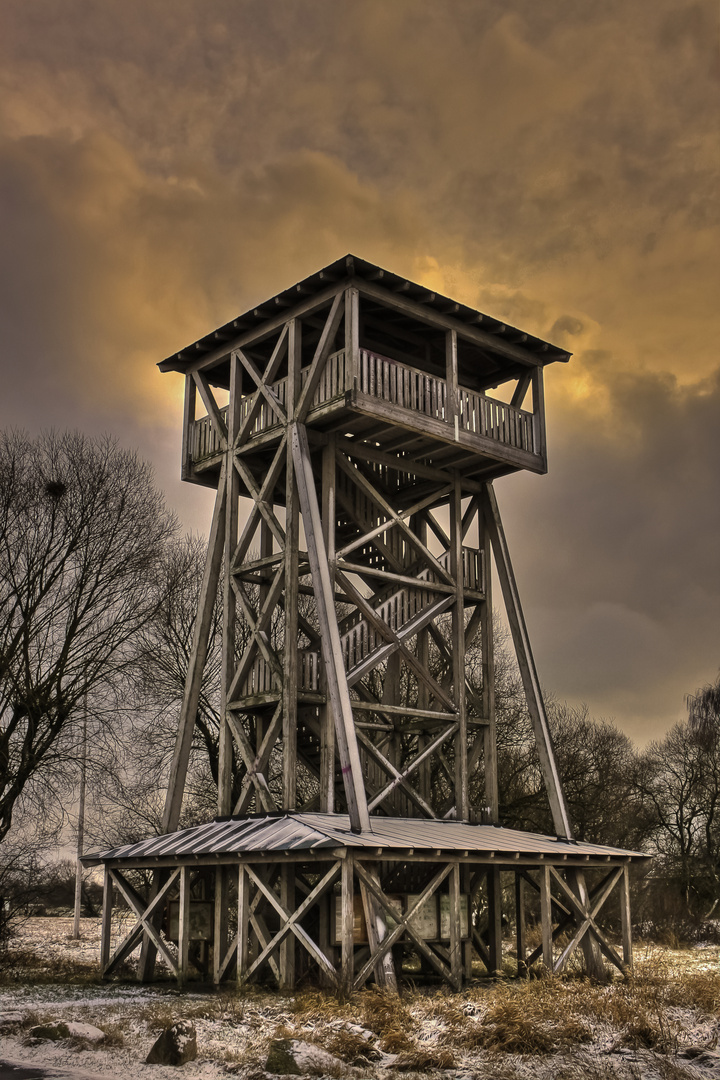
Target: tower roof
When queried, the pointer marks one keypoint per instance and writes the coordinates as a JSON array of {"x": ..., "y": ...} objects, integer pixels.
[{"x": 351, "y": 267}]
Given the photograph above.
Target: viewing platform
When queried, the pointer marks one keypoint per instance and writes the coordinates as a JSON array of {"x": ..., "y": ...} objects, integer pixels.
[{"x": 379, "y": 387}]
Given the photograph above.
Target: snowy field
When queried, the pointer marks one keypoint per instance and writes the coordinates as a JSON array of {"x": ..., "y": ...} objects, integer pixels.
[{"x": 664, "y": 1023}]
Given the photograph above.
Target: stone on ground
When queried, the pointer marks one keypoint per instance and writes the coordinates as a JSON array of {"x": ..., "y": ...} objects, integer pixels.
[
  {"x": 293, "y": 1057},
  {"x": 176, "y": 1045},
  {"x": 67, "y": 1029}
]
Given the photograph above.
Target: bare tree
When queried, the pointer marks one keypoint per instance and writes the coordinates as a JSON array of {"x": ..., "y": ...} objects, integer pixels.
[
  {"x": 704, "y": 711},
  {"x": 82, "y": 532}
]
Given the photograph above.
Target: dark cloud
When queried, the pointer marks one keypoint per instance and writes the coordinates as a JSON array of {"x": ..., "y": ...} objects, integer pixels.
[{"x": 164, "y": 166}]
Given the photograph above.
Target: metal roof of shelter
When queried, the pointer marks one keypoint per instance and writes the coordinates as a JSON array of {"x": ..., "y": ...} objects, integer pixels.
[
  {"x": 348, "y": 267},
  {"x": 228, "y": 838}
]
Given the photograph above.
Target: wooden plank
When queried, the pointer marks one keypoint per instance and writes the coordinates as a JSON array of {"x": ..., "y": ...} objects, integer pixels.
[
  {"x": 243, "y": 924},
  {"x": 462, "y": 801},
  {"x": 329, "y": 519},
  {"x": 520, "y": 926},
  {"x": 196, "y": 660},
  {"x": 218, "y": 424},
  {"x": 346, "y": 925},
  {"x": 429, "y": 316},
  {"x": 287, "y": 948},
  {"x": 338, "y": 691},
  {"x": 267, "y": 377},
  {"x": 377, "y": 932},
  {"x": 225, "y": 762},
  {"x": 625, "y": 919},
  {"x": 526, "y": 663},
  {"x": 395, "y": 640},
  {"x": 546, "y": 918},
  {"x": 486, "y": 445},
  {"x": 220, "y": 921},
  {"x": 291, "y": 596},
  {"x": 183, "y": 925},
  {"x": 188, "y": 434},
  {"x": 487, "y": 646},
  {"x": 538, "y": 416},
  {"x": 322, "y": 351},
  {"x": 456, "y": 964},
  {"x": 106, "y": 925},
  {"x": 494, "y": 895}
]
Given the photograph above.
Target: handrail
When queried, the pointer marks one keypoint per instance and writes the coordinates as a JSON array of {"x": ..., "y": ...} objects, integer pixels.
[{"x": 399, "y": 384}]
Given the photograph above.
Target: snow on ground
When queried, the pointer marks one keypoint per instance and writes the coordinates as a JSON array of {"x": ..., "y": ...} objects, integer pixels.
[{"x": 55, "y": 977}]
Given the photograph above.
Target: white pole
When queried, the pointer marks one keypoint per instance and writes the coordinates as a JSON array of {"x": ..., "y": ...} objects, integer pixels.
[{"x": 81, "y": 826}]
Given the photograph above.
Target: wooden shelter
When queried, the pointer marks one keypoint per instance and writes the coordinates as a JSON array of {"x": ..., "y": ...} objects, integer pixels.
[{"x": 352, "y": 427}]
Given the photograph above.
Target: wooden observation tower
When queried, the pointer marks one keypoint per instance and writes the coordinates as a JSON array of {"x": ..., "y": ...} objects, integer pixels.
[{"x": 353, "y": 427}]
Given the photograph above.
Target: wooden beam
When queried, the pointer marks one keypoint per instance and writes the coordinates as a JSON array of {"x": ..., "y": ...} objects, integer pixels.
[
  {"x": 528, "y": 672},
  {"x": 338, "y": 691},
  {"x": 432, "y": 317},
  {"x": 197, "y": 660}
]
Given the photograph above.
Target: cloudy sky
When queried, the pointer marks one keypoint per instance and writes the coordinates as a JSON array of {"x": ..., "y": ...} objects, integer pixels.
[{"x": 166, "y": 164}]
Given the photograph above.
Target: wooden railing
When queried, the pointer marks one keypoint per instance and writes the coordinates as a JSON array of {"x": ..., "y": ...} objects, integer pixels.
[
  {"x": 387, "y": 380},
  {"x": 358, "y": 639}
]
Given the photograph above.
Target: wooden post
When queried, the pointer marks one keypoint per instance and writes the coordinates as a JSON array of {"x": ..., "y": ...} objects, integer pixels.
[
  {"x": 220, "y": 922},
  {"x": 106, "y": 925},
  {"x": 625, "y": 920},
  {"x": 183, "y": 924},
  {"x": 462, "y": 803},
  {"x": 451, "y": 381},
  {"x": 539, "y": 438},
  {"x": 456, "y": 964},
  {"x": 243, "y": 923},
  {"x": 546, "y": 917},
  {"x": 377, "y": 930},
  {"x": 531, "y": 683},
  {"x": 188, "y": 427},
  {"x": 352, "y": 335},
  {"x": 520, "y": 925},
  {"x": 287, "y": 947},
  {"x": 327, "y": 733},
  {"x": 338, "y": 691},
  {"x": 292, "y": 533},
  {"x": 494, "y": 892},
  {"x": 196, "y": 663},
  {"x": 488, "y": 681},
  {"x": 347, "y": 918},
  {"x": 225, "y": 750}
]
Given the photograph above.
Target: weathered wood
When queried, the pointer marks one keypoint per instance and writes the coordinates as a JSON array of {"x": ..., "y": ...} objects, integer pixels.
[
  {"x": 329, "y": 517},
  {"x": 106, "y": 925},
  {"x": 228, "y": 649},
  {"x": 625, "y": 919},
  {"x": 322, "y": 351},
  {"x": 487, "y": 647},
  {"x": 183, "y": 924},
  {"x": 424, "y": 314},
  {"x": 292, "y": 543},
  {"x": 520, "y": 925},
  {"x": 347, "y": 943},
  {"x": 456, "y": 959},
  {"x": 546, "y": 918},
  {"x": 213, "y": 411},
  {"x": 196, "y": 661},
  {"x": 220, "y": 921},
  {"x": 462, "y": 801},
  {"x": 494, "y": 896},
  {"x": 377, "y": 931},
  {"x": 526, "y": 663},
  {"x": 188, "y": 434},
  {"x": 332, "y": 651},
  {"x": 287, "y": 949}
]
